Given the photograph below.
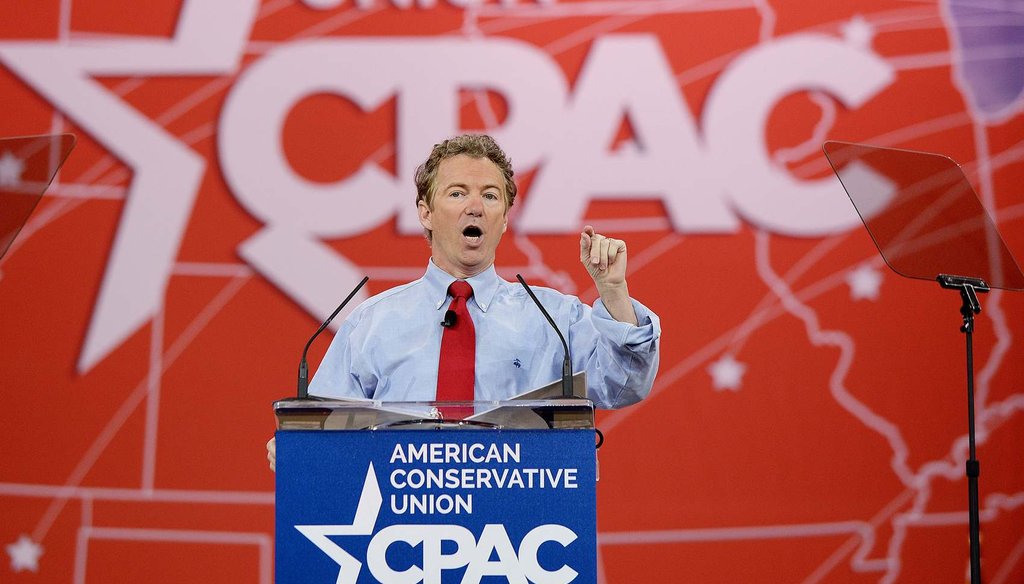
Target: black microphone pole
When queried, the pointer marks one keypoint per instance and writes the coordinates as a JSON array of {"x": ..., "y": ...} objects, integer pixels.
[
  {"x": 303, "y": 390},
  {"x": 566, "y": 361}
]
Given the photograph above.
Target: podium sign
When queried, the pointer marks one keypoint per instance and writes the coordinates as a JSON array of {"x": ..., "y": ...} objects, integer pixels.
[{"x": 436, "y": 506}]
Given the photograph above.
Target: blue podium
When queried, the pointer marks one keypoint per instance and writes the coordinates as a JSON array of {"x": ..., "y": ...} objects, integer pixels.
[{"x": 392, "y": 493}]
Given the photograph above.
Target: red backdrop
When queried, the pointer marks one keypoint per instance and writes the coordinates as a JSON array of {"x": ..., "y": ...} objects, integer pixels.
[{"x": 240, "y": 164}]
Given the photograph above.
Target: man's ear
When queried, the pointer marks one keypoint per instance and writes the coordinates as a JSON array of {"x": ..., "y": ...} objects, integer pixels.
[{"x": 424, "y": 212}]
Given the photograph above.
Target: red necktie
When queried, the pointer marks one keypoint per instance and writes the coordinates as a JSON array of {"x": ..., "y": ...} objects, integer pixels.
[{"x": 457, "y": 366}]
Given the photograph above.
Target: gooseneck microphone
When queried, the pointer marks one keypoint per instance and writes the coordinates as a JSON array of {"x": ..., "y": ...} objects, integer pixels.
[
  {"x": 303, "y": 391},
  {"x": 566, "y": 361}
]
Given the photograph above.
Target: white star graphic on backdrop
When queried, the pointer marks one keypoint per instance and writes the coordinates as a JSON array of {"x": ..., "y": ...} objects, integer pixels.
[
  {"x": 24, "y": 554},
  {"x": 858, "y": 32},
  {"x": 864, "y": 282},
  {"x": 365, "y": 518},
  {"x": 11, "y": 168},
  {"x": 209, "y": 40},
  {"x": 727, "y": 373}
]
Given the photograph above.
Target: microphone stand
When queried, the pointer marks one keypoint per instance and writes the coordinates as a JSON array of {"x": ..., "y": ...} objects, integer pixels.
[
  {"x": 969, "y": 289},
  {"x": 567, "y": 359},
  {"x": 302, "y": 390}
]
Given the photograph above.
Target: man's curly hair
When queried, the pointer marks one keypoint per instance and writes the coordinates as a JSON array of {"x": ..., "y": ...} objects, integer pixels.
[{"x": 475, "y": 145}]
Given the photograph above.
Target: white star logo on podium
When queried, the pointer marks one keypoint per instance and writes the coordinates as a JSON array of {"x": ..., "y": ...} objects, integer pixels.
[
  {"x": 365, "y": 519},
  {"x": 24, "y": 554},
  {"x": 727, "y": 373}
]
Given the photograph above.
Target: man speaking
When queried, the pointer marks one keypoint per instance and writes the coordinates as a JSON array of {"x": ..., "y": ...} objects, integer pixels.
[{"x": 462, "y": 333}]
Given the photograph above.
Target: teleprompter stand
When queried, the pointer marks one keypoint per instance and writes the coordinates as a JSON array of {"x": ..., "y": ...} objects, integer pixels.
[
  {"x": 971, "y": 305},
  {"x": 928, "y": 223}
]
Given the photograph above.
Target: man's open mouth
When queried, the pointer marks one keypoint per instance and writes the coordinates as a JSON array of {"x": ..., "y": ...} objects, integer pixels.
[{"x": 472, "y": 233}]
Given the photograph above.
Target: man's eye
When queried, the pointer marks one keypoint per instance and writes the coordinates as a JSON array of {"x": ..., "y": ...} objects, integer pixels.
[
  {"x": 456, "y": 194},
  {"x": 492, "y": 196}
]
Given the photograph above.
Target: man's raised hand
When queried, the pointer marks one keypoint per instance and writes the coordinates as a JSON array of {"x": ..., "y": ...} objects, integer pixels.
[{"x": 605, "y": 260}]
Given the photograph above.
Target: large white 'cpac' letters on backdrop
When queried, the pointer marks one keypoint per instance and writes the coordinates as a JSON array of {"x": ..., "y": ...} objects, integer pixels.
[
  {"x": 426, "y": 76},
  {"x": 298, "y": 212},
  {"x": 698, "y": 183},
  {"x": 737, "y": 114},
  {"x": 703, "y": 178},
  {"x": 625, "y": 76}
]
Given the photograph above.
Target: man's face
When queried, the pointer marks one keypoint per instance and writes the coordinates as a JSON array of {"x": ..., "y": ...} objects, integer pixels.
[{"x": 467, "y": 215}]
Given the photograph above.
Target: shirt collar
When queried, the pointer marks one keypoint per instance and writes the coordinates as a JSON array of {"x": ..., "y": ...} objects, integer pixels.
[{"x": 485, "y": 285}]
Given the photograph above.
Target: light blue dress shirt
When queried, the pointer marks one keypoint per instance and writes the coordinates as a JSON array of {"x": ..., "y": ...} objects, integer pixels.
[{"x": 388, "y": 348}]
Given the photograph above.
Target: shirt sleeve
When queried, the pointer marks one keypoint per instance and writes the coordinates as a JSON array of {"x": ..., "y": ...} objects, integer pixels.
[
  {"x": 621, "y": 360},
  {"x": 339, "y": 375}
]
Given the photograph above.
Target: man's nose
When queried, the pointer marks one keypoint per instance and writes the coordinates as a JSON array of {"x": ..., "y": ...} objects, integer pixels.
[{"x": 475, "y": 205}]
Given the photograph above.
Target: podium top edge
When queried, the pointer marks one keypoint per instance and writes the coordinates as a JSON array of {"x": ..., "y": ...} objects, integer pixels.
[{"x": 332, "y": 404}]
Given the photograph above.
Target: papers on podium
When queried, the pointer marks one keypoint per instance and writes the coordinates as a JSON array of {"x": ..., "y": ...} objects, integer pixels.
[{"x": 539, "y": 408}]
